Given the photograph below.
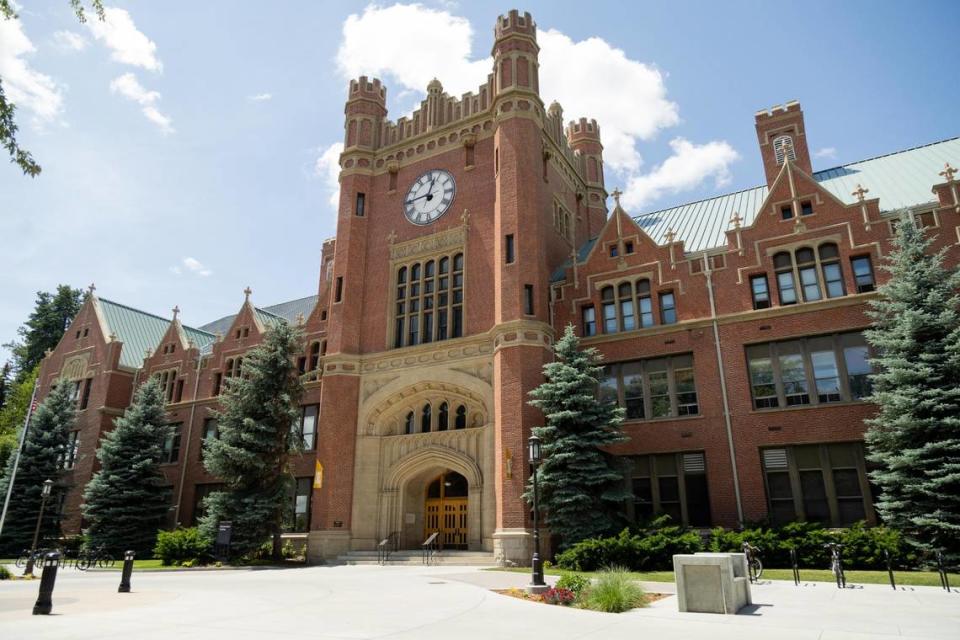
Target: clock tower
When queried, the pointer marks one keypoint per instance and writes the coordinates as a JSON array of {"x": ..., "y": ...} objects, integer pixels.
[{"x": 450, "y": 222}]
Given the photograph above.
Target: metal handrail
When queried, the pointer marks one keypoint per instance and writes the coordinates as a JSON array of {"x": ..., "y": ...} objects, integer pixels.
[
  {"x": 387, "y": 546},
  {"x": 429, "y": 548}
]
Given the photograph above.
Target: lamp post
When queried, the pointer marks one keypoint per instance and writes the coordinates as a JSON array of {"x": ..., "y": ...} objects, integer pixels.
[
  {"x": 45, "y": 494},
  {"x": 537, "y": 585}
]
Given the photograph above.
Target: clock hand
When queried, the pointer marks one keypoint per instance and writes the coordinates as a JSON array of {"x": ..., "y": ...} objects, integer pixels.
[{"x": 426, "y": 195}]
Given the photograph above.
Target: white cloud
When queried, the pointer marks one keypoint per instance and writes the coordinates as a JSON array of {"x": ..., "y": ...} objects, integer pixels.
[
  {"x": 328, "y": 168},
  {"x": 191, "y": 265},
  {"x": 26, "y": 87},
  {"x": 591, "y": 78},
  {"x": 260, "y": 97},
  {"x": 128, "y": 45},
  {"x": 826, "y": 152},
  {"x": 70, "y": 40},
  {"x": 688, "y": 167},
  {"x": 129, "y": 87}
]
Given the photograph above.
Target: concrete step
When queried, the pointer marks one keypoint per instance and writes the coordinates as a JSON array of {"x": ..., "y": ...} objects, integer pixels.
[{"x": 415, "y": 557}]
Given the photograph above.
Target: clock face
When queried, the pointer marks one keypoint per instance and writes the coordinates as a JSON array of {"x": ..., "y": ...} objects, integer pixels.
[{"x": 429, "y": 197}]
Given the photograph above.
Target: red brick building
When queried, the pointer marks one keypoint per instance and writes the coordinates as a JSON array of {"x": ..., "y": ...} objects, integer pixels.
[{"x": 468, "y": 235}]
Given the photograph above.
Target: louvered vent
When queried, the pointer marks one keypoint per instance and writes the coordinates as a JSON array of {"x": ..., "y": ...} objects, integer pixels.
[
  {"x": 783, "y": 146},
  {"x": 693, "y": 463},
  {"x": 775, "y": 458}
]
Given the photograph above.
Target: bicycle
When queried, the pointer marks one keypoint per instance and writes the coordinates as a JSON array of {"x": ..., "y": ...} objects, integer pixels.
[
  {"x": 24, "y": 556},
  {"x": 754, "y": 565},
  {"x": 836, "y": 563},
  {"x": 98, "y": 557}
]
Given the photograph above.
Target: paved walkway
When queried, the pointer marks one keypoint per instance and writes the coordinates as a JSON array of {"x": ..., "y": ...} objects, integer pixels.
[{"x": 423, "y": 603}]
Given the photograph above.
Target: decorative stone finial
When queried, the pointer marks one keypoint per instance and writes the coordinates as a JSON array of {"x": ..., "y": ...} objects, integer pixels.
[
  {"x": 859, "y": 192},
  {"x": 434, "y": 86},
  {"x": 465, "y": 217},
  {"x": 300, "y": 319},
  {"x": 735, "y": 220},
  {"x": 948, "y": 172},
  {"x": 391, "y": 237},
  {"x": 176, "y": 311},
  {"x": 670, "y": 236},
  {"x": 616, "y": 197},
  {"x": 246, "y": 293}
]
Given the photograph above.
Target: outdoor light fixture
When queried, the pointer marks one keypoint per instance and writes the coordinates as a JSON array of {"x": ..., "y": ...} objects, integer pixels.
[
  {"x": 47, "y": 488},
  {"x": 537, "y": 585},
  {"x": 44, "y": 495}
]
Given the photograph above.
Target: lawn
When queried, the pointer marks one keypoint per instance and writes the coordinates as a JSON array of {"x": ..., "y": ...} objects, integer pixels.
[{"x": 904, "y": 578}]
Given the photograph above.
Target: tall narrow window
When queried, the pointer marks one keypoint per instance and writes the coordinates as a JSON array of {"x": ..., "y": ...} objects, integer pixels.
[
  {"x": 457, "y": 308},
  {"x": 684, "y": 386},
  {"x": 508, "y": 248},
  {"x": 863, "y": 274},
  {"x": 339, "y": 292},
  {"x": 762, "y": 380},
  {"x": 171, "y": 446},
  {"x": 425, "y": 419},
  {"x": 609, "y": 307},
  {"x": 210, "y": 432},
  {"x": 826, "y": 375},
  {"x": 470, "y": 155},
  {"x": 856, "y": 357},
  {"x": 832, "y": 275},
  {"x": 644, "y": 303},
  {"x": 307, "y": 432},
  {"x": 589, "y": 321},
  {"x": 668, "y": 308},
  {"x": 659, "y": 381},
  {"x": 796, "y": 388},
  {"x": 217, "y": 381},
  {"x": 361, "y": 202},
  {"x": 528, "y": 299},
  {"x": 627, "y": 317},
  {"x": 807, "y": 268},
  {"x": 85, "y": 398},
  {"x": 443, "y": 417},
  {"x": 783, "y": 263},
  {"x": 178, "y": 396},
  {"x": 761, "y": 294},
  {"x": 408, "y": 423},
  {"x": 461, "y": 420}
]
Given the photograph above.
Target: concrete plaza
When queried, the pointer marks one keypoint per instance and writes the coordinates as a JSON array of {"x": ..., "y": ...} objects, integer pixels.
[{"x": 355, "y": 602}]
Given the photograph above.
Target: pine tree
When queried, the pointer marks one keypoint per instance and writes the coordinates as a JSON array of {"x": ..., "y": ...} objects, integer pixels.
[
  {"x": 4, "y": 383},
  {"x": 915, "y": 436},
  {"x": 51, "y": 316},
  {"x": 13, "y": 413},
  {"x": 581, "y": 489},
  {"x": 41, "y": 459},
  {"x": 127, "y": 500},
  {"x": 251, "y": 454}
]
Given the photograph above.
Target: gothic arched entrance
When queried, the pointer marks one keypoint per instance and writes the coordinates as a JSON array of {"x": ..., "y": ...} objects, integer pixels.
[{"x": 445, "y": 510}]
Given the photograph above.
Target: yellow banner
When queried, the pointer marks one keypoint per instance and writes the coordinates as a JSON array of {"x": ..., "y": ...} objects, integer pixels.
[{"x": 318, "y": 476}]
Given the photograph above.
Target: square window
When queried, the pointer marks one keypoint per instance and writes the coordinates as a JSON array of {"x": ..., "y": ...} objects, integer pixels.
[
  {"x": 786, "y": 212},
  {"x": 806, "y": 208}
]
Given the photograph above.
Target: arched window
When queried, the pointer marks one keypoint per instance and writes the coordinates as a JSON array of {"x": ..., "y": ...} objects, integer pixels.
[
  {"x": 228, "y": 367},
  {"x": 425, "y": 419},
  {"x": 783, "y": 148},
  {"x": 783, "y": 264},
  {"x": 461, "y": 422},
  {"x": 408, "y": 425},
  {"x": 627, "y": 319},
  {"x": 644, "y": 303},
  {"x": 609, "y": 306},
  {"x": 830, "y": 267},
  {"x": 443, "y": 418},
  {"x": 314, "y": 356},
  {"x": 807, "y": 269}
]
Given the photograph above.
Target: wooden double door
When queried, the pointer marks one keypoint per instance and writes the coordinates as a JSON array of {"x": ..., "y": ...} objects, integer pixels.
[{"x": 445, "y": 510}]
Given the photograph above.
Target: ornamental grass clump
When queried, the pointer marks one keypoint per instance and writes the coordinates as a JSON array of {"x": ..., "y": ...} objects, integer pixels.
[{"x": 614, "y": 592}]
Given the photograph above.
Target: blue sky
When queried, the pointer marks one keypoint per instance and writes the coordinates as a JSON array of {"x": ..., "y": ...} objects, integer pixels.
[{"x": 187, "y": 146}]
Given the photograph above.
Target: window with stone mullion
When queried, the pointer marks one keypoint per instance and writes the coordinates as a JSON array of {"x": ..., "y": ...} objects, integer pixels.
[{"x": 429, "y": 301}]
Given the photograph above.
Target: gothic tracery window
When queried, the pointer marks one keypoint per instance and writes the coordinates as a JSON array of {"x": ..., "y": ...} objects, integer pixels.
[{"x": 429, "y": 301}]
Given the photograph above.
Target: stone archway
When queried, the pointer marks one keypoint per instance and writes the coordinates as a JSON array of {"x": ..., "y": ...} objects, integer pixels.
[{"x": 403, "y": 495}]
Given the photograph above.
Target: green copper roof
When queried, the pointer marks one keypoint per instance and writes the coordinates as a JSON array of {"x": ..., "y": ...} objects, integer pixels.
[
  {"x": 141, "y": 331},
  {"x": 901, "y": 179},
  {"x": 267, "y": 315}
]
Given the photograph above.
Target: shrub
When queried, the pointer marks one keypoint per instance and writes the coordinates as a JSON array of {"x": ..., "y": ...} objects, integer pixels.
[
  {"x": 614, "y": 592},
  {"x": 863, "y": 546},
  {"x": 648, "y": 549},
  {"x": 175, "y": 547},
  {"x": 5, "y": 573},
  {"x": 559, "y": 595},
  {"x": 574, "y": 582}
]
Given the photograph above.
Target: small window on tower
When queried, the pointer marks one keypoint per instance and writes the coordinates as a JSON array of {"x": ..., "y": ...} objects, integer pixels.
[
  {"x": 786, "y": 212},
  {"x": 806, "y": 208},
  {"x": 469, "y": 156},
  {"x": 528, "y": 299},
  {"x": 361, "y": 202},
  {"x": 338, "y": 296},
  {"x": 509, "y": 248},
  {"x": 628, "y": 247}
]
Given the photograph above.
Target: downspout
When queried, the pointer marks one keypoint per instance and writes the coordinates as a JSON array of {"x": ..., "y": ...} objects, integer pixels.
[
  {"x": 723, "y": 387},
  {"x": 186, "y": 449}
]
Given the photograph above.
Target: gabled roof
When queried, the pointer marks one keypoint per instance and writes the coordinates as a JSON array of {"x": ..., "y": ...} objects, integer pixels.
[
  {"x": 267, "y": 315},
  {"x": 901, "y": 179},
  {"x": 140, "y": 331}
]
